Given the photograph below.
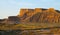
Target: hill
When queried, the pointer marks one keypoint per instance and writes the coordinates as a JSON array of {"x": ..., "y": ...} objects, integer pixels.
[
  {"x": 40, "y": 15},
  {"x": 38, "y": 21}
]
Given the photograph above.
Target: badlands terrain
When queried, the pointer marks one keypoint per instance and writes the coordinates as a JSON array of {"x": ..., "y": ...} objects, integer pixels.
[{"x": 38, "y": 21}]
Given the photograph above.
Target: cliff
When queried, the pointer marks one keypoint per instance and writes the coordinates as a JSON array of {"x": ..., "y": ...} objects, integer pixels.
[
  {"x": 36, "y": 21},
  {"x": 37, "y": 15},
  {"x": 40, "y": 15}
]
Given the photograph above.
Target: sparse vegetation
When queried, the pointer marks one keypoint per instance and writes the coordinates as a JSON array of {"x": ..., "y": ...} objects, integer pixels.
[{"x": 32, "y": 22}]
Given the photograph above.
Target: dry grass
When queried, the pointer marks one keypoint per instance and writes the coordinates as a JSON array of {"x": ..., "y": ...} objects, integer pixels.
[
  {"x": 34, "y": 28},
  {"x": 28, "y": 26}
]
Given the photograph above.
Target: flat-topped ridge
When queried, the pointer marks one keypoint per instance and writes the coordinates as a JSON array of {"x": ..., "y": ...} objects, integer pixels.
[{"x": 23, "y": 11}]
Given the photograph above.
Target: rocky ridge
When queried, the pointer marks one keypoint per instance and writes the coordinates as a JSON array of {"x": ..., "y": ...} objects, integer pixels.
[{"x": 36, "y": 21}]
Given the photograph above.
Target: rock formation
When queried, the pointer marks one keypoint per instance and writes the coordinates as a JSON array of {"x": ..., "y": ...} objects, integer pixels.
[
  {"x": 36, "y": 21},
  {"x": 34, "y": 15},
  {"x": 40, "y": 15}
]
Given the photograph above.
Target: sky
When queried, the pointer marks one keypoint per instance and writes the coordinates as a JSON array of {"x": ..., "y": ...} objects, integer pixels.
[{"x": 12, "y": 7}]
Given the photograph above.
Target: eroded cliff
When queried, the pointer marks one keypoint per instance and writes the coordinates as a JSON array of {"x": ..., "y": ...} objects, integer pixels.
[
  {"x": 40, "y": 15},
  {"x": 39, "y": 21}
]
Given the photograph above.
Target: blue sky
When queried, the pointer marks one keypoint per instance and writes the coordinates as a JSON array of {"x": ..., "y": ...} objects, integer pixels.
[{"x": 12, "y": 7}]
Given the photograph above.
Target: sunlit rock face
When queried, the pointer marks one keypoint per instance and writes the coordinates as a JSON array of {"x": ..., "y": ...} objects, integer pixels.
[{"x": 40, "y": 15}]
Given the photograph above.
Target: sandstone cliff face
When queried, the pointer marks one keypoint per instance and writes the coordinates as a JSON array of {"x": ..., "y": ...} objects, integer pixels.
[
  {"x": 35, "y": 15},
  {"x": 40, "y": 15}
]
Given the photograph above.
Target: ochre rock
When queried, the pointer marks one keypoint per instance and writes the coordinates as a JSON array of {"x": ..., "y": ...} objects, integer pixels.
[{"x": 40, "y": 15}]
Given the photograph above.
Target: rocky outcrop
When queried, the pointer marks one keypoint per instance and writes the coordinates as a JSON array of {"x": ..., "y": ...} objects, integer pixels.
[
  {"x": 34, "y": 15},
  {"x": 44, "y": 22},
  {"x": 40, "y": 15},
  {"x": 13, "y": 20},
  {"x": 3, "y": 21},
  {"x": 10, "y": 20}
]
